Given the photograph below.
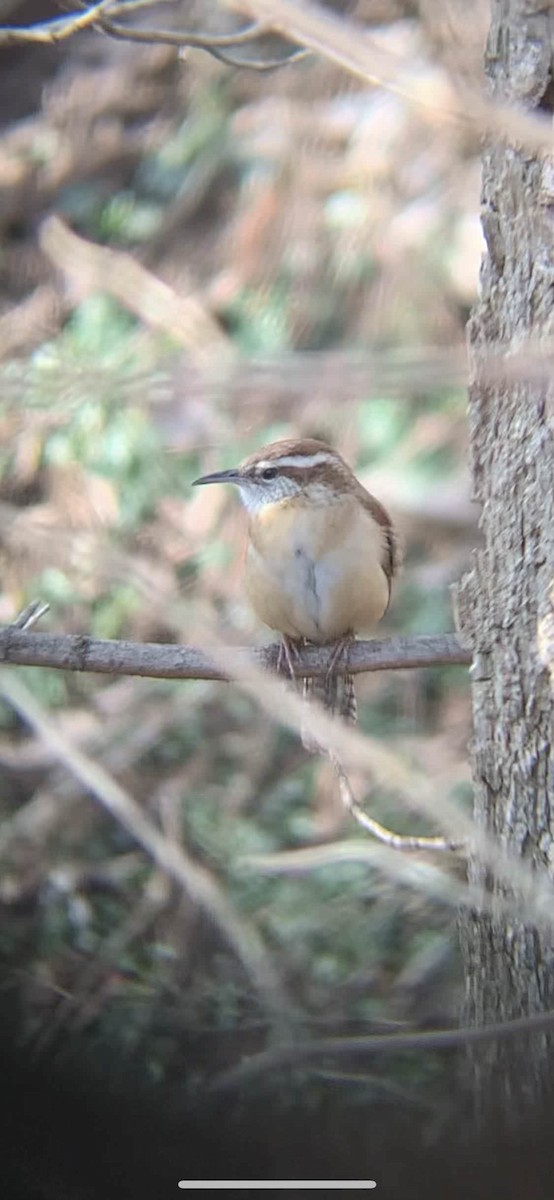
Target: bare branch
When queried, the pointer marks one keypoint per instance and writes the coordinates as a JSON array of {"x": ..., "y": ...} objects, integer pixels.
[
  {"x": 249, "y": 670},
  {"x": 348, "y": 43},
  {"x": 258, "y": 64},
  {"x": 312, "y": 28},
  {"x": 421, "y": 875},
  {"x": 444, "y": 886},
  {"x": 204, "y": 40},
  {"x": 100, "y": 15},
  {"x": 86, "y": 654},
  {"x": 31, "y": 614},
  {"x": 278, "y": 1057},
  {"x": 396, "y": 841},
  {"x": 182, "y": 37},
  {"x": 76, "y": 652},
  {"x": 56, "y": 30}
]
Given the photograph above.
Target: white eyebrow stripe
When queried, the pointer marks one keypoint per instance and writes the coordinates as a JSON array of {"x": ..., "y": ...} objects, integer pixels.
[{"x": 297, "y": 460}]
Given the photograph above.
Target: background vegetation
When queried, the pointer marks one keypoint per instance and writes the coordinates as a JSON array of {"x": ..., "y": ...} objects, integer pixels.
[{"x": 318, "y": 245}]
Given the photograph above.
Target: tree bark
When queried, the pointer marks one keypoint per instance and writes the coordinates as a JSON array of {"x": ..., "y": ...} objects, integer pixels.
[{"x": 509, "y": 967}]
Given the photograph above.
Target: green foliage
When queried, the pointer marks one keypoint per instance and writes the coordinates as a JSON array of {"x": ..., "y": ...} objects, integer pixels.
[
  {"x": 259, "y": 320},
  {"x": 125, "y": 221},
  {"x": 382, "y": 423}
]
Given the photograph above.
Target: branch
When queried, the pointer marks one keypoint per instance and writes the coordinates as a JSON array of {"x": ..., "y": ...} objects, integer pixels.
[
  {"x": 99, "y": 17},
  {"x": 56, "y": 30},
  {"x": 76, "y": 652},
  {"x": 309, "y": 27},
  {"x": 347, "y": 43},
  {"x": 397, "y": 841},
  {"x": 214, "y": 44},
  {"x": 266, "y": 1062}
]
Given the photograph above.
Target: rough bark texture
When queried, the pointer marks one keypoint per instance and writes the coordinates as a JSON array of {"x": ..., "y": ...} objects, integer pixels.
[{"x": 510, "y": 968}]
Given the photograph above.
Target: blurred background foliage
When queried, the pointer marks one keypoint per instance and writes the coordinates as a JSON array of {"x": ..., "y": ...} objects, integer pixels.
[{"x": 321, "y": 240}]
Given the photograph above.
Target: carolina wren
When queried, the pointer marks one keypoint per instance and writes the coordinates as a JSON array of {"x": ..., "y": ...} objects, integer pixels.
[{"x": 322, "y": 553}]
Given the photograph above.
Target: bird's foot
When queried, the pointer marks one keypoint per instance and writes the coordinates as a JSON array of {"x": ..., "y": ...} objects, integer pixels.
[{"x": 289, "y": 655}]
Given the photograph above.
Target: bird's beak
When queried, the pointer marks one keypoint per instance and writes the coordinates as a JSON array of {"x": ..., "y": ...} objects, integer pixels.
[{"x": 231, "y": 476}]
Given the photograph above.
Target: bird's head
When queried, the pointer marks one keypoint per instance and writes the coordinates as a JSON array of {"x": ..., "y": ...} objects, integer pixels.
[{"x": 307, "y": 469}]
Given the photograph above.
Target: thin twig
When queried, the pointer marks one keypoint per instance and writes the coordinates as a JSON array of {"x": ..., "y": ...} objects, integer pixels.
[
  {"x": 60, "y": 28},
  {"x": 419, "y": 874},
  {"x": 293, "y": 1055},
  {"x": 439, "y": 885},
  {"x": 312, "y": 28},
  {"x": 213, "y": 44},
  {"x": 396, "y": 841},
  {"x": 31, "y": 614},
  {"x": 182, "y": 37},
  {"x": 56, "y": 30},
  {"x": 76, "y": 652},
  {"x": 347, "y": 43},
  {"x": 260, "y": 64}
]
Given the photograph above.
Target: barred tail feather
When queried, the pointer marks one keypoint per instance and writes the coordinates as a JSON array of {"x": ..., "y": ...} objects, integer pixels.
[
  {"x": 337, "y": 695},
  {"x": 349, "y": 705}
]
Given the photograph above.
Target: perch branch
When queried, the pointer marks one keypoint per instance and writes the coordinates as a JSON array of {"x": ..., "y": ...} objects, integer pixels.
[
  {"x": 86, "y": 654},
  {"x": 76, "y": 652}
]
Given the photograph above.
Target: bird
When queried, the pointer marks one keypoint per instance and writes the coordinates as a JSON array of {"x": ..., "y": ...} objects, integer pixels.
[{"x": 321, "y": 557}]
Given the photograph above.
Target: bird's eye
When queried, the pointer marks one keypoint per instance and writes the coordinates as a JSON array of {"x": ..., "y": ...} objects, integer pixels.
[{"x": 269, "y": 473}]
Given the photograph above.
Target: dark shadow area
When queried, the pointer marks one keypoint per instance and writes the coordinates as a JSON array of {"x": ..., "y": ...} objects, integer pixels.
[
  {"x": 35, "y": 64},
  {"x": 77, "y": 1130}
]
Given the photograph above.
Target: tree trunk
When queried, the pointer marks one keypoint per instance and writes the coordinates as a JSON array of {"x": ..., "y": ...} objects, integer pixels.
[{"x": 509, "y": 966}]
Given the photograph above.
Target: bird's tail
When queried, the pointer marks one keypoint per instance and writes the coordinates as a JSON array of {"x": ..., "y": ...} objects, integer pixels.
[{"x": 335, "y": 692}]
